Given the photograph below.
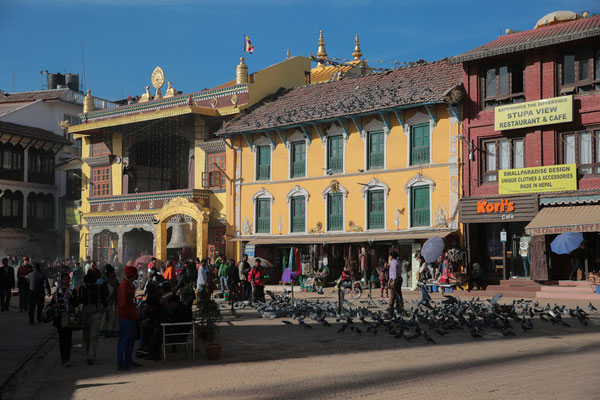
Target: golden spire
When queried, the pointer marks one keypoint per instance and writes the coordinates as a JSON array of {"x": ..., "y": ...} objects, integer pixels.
[
  {"x": 288, "y": 54},
  {"x": 88, "y": 102},
  {"x": 241, "y": 73},
  {"x": 357, "y": 54},
  {"x": 321, "y": 53}
]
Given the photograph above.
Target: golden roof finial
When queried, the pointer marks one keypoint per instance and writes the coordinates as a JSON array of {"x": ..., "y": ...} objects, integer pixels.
[
  {"x": 241, "y": 73},
  {"x": 88, "y": 102},
  {"x": 357, "y": 54},
  {"x": 288, "y": 54},
  {"x": 321, "y": 53}
]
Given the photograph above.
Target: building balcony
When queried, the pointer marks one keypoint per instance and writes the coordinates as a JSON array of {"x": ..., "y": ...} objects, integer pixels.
[{"x": 145, "y": 201}]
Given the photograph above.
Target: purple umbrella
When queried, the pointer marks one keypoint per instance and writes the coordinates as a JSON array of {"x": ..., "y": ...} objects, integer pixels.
[{"x": 432, "y": 249}]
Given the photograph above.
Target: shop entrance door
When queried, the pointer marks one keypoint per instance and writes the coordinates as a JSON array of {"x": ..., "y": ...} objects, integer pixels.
[{"x": 539, "y": 265}]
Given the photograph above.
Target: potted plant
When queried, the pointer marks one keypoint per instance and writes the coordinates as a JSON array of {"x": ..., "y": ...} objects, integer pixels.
[{"x": 209, "y": 314}]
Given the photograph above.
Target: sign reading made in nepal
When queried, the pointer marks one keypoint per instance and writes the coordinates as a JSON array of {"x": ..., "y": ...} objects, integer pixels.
[
  {"x": 534, "y": 113},
  {"x": 551, "y": 178}
]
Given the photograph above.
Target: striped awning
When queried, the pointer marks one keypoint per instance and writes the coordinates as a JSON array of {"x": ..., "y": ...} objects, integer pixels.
[{"x": 553, "y": 220}]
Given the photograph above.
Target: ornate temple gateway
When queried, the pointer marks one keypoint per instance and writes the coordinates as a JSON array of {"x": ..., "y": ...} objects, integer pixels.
[{"x": 154, "y": 164}]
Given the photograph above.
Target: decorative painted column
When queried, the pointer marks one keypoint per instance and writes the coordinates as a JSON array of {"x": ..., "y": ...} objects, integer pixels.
[
  {"x": 202, "y": 235},
  {"x": 161, "y": 241}
]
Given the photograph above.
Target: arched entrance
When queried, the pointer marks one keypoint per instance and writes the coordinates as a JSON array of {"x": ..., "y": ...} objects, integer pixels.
[
  {"x": 183, "y": 206},
  {"x": 105, "y": 246},
  {"x": 137, "y": 242}
]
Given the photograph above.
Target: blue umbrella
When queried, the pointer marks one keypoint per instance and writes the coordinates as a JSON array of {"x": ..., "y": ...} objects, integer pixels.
[
  {"x": 566, "y": 242},
  {"x": 432, "y": 249}
]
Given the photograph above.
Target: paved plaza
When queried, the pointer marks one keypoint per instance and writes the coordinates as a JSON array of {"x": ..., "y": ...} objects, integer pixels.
[{"x": 265, "y": 359}]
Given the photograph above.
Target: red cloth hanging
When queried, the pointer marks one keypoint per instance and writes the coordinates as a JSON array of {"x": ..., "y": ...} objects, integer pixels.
[{"x": 297, "y": 261}]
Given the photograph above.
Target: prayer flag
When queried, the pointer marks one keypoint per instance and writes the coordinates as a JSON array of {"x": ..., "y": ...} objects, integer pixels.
[{"x": 248, "y": 48}]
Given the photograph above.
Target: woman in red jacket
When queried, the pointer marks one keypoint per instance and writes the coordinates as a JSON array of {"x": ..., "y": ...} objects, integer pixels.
[{"x": 257, "y": 279}]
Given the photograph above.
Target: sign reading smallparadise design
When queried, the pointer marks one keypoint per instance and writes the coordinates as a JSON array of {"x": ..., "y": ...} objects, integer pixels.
[
  {"x": 552, "y": 178},
  {"x": 534, "y": 113}
]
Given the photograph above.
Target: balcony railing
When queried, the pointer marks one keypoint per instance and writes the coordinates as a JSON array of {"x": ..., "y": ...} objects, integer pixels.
[
  {"x": 336, "y": 164},
  {"x": 336, "y": 222},
  {"x": 420, "y": 218},
  {"x": 298, "y": 169},
  {"x": 376, "y": 160},
  {"x": 264, "y": 172},
  {"x": 376, "y": 220},
  {"x": 420, "y": 155},
  {"x": 298, "y": 225},
  {"x": 263, "y": 225}
]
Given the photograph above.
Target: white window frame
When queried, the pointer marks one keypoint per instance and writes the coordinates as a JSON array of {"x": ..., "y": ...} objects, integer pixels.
[
  {"x": 375, "y": 125},
  {"x": 262, "y": 141},
  {"x": 325, "y": 194},
  {"x": 335, "y": 130},
  {"x": 263, "y": 194},
  {"x": 418, "y": 119},
  {"x": 419, "y": 180},
  {"x": 297, "y": 136},
  {"x": 297, "y": 191},
  {"x": 375, "y": 184}
]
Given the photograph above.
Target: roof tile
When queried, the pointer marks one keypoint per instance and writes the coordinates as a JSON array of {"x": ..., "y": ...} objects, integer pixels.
[{"x": 418, "y": 83}]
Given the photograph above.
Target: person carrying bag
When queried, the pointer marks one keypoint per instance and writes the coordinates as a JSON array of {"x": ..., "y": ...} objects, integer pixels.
[
  {"x": 94, "y": 300},
  {"x": 64, "y": 301}
]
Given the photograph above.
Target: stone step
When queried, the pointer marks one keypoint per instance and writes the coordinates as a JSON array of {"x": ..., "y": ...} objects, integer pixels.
[
  {"x": 519, "y": 282},
  {"x": 568, "y": 289},
  {"x": 567, "y": 296},
  {"x": 573, "y": 283},
  {"x": 500, "y": 288}
]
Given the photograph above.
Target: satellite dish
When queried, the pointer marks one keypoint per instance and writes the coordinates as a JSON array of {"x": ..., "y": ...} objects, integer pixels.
[{"x": 117, "y": 160}]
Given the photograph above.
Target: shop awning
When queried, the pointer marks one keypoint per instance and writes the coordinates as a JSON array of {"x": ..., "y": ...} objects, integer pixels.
[
  {"x": 553, "y": 220},
  {"x": 345, "y": 238}
]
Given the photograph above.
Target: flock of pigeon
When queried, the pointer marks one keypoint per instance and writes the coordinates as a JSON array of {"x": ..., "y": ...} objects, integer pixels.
[{"x": 440, "y": 317}]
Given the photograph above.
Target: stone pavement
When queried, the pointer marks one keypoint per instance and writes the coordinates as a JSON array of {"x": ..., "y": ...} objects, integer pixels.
[
  {"x": 19, "y": 339},
  {"x": 265, "y": 359}
]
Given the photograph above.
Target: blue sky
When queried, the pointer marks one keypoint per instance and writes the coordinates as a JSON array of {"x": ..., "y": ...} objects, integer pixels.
[{"x": 198, "y": 42}]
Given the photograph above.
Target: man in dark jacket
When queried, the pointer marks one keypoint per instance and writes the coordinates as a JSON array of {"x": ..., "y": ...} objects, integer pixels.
[
  {"x": 244, "y": 270},
  {"x": 7, "y": 283},
  {"x": 38, "y": 285}
]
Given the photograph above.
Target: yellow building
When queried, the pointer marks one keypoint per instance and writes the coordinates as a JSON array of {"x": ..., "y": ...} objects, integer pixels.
[
  {"x": 362, "y": 162},
  {"x": 155, "y": 163}
]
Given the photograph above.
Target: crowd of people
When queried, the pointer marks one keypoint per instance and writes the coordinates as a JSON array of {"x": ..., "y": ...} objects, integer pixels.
[{"x": 102, "y": 301}]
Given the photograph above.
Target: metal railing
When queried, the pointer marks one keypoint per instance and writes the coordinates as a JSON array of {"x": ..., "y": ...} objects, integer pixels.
[
  {"x": 264, "y": 172},
  {"x": 298, "y": 169},
  {"x": 263, "y": 225},
  {"x": 336, "y": 222},
  {"x": 376, "y": 220},
  {"x": 420, "y": 218},
  {"x": 336, "y": 164},
  {"x": 376, "y": 160},
  {"x": 420, "y": 155},
  {"x": 298, "y": 224}
]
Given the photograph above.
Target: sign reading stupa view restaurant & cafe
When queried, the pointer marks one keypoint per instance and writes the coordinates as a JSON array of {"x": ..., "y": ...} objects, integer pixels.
[{"x": 534, "y": 113}]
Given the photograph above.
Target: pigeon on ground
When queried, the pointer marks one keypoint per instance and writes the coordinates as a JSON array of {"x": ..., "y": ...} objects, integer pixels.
[
  {"x": 287, "y": 322},
  {"x": 591, "y": 308}
]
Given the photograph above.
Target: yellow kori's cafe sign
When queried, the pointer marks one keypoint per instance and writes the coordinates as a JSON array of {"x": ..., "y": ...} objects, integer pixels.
[
  {"x": 534, "y": 113},
  {"x": 551, "y": 178}
]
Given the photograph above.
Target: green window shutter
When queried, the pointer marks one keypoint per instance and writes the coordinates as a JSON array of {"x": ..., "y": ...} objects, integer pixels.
[
  {"x": 335, "y": 212},
  {"x": 298, "y": 159},
  {"x": 263, "y": 163},
  {"x": 375, "y": 208},
  {"x": 375, "y": 150},
  {"x": 298, "y": 213},
  {"x": 419, "y": 213},
  {"x": 419, "y": 144},
  {"x": 263, "y": 215},
  {"x": 335, "y": 154}
]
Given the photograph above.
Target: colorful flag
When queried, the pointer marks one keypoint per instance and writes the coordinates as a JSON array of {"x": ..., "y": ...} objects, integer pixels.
[{"x": 248, "y": 48}]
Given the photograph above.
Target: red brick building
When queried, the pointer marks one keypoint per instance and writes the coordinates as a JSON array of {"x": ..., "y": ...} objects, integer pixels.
[{"x": 556, "y": 59}]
